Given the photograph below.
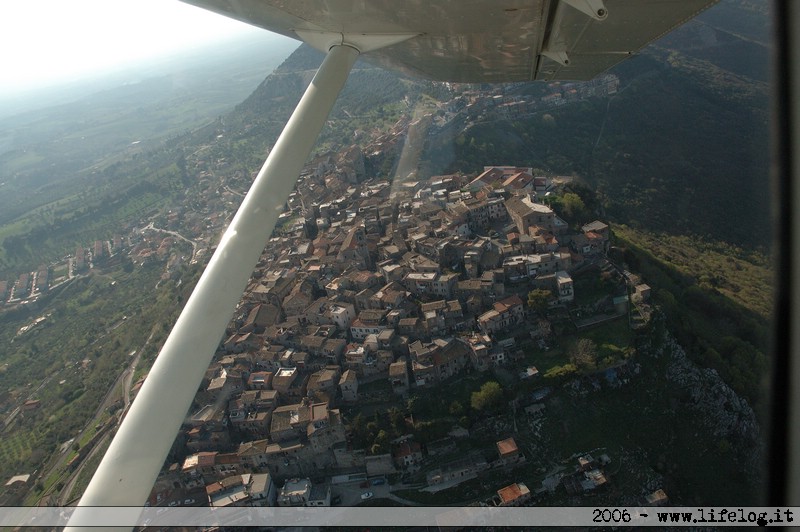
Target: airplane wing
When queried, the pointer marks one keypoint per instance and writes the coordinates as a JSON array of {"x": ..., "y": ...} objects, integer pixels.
[{"x": 479, "y": 41}]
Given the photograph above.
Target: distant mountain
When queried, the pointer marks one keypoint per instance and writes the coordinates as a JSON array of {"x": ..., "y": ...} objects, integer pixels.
[
  {"x": 373, "y": 97},
  {"x": 53, "y": 142},
  {"x": 232, "y": 61}
]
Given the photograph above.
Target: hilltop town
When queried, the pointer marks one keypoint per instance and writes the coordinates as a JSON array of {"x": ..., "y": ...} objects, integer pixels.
[{"x": 373, "y": 297}]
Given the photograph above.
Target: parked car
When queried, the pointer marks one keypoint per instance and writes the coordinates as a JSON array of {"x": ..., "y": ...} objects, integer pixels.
[
  {"x": 188, "y": 501},
  {"x": 366, "y": 495},
  {"x": 378, "y": 481}
]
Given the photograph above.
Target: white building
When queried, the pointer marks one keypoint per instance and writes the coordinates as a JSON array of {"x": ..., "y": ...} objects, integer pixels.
[
  {"x": 295, "y": 492},
  {"x": 342, "y": 315},
  {"x": 566, "y": 291}
]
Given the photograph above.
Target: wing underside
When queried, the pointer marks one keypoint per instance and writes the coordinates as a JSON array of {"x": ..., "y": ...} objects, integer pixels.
[{"x": 479, "y": 41}]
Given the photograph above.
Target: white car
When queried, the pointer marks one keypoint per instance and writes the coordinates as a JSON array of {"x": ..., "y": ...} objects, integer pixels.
[{"x": 366, "y": 495}]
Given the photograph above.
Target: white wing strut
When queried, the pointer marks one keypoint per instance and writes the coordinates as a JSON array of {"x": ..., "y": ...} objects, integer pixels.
[{"x": 130, "y": 466}]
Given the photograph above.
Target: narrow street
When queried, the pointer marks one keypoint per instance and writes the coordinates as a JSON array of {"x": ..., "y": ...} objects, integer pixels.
[{"x": 351, "y": 493}]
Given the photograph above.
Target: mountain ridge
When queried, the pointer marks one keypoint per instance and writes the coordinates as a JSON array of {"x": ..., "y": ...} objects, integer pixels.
[{"x": 681, "y": 146}]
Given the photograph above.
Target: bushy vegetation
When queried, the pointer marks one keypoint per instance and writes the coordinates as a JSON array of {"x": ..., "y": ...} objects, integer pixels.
[
  {"x": 70, "y": 361},
  {"x": 489, "y": 397},
  {"x": 672, "y": 151},
  {"x": 725, "y": 331}
]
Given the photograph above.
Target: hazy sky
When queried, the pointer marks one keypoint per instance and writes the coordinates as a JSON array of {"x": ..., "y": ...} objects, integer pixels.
[{"x": 43, "y": 41}]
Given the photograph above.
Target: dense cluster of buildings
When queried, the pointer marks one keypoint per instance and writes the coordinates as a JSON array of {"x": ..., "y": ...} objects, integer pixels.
[
  {"x": 411, "y": 284},
  {"x": 140, "y": 246},
  {"x": 26, "y": 285},
  {"x": 513, "y": 101}
]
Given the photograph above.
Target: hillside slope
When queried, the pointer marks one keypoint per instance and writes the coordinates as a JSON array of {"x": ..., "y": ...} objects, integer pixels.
[{"x": 682, "y": 147}]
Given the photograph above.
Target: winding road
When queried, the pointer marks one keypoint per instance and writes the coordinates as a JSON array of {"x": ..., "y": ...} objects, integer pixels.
[
  {"x": 125, "y": 380},
  {"x": 151, "y": 227}
]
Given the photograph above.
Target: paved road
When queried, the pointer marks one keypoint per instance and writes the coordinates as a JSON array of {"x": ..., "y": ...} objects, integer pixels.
[
  {"x": 127, "y": 376},
  {"x": 351, "y": 493},
  {"x": 125, "y": 380},
  {"x": 152, "y": 227},
  {"x": 65, "y": 498}
]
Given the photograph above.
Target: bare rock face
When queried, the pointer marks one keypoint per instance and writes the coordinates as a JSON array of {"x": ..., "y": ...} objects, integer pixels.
[{"x": 726, "y": 416}]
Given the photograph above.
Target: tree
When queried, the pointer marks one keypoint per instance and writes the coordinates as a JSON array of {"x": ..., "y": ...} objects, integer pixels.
[
  {"x": 489, "y": 396},
  {"x": 414, "y": 405},
  {"x": 583, "y": 354},
  {"x": 560, "y": 371},
  {"x": 574, "y": 208},
  {"x": 359, "y": 428},
  {"x": 456, "y": 409},
  {"x": 538, "y": 299},
  {"x": 397, "y": 421},
  {"x": 381, "y": 443},
  {"x": 428, "y": 431}
]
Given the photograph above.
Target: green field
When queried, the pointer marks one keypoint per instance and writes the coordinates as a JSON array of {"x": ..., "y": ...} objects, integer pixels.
[{"x": 70, "y": 361}]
